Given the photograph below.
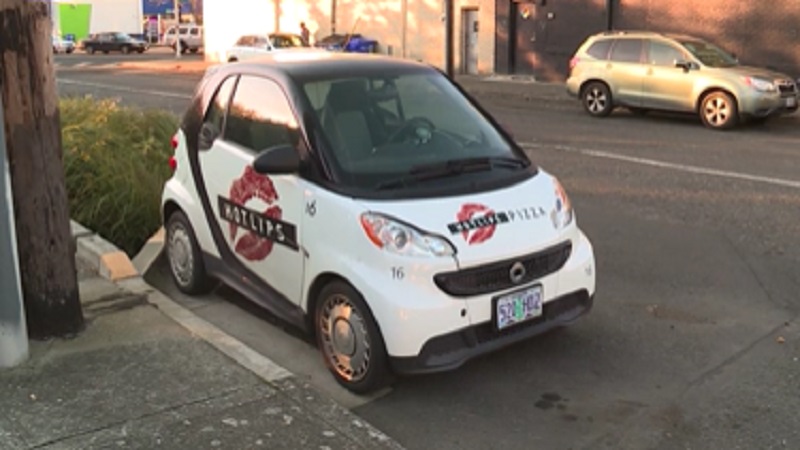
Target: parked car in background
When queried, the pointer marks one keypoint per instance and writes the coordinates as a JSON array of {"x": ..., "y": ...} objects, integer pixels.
[
  {"x": 62, "y": 45},
  {"x": 645, "y": 71},
  {"x": 369, "y": 201},
  {"x": 254, "y": 45},
  {"x": 348, "y": 43},
  {"x": 113, "y": 42},
  {"x": 190, "y": 37}
]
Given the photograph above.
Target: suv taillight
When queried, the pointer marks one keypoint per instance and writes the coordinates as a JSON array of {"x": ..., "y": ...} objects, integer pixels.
[
  {"x": 573, "y": 62},
  {"x": 174, "y": 141}
]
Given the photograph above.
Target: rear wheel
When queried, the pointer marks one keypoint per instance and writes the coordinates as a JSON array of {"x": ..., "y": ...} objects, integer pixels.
[
  {"x": 349, "y": 339},
  {"x": 719, "y": 111},
  {"x": 596, "y": 98},
  {"x": 185, "y": 257}
]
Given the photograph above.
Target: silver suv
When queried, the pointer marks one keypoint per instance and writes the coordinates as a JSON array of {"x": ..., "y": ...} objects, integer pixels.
[{"x": 645, "y": 71}]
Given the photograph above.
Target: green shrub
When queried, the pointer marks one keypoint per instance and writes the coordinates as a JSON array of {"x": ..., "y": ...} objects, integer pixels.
[{"x": 116, "y": 162}]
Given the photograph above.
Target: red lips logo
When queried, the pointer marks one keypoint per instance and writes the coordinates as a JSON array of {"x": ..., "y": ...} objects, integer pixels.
[
  {"x": 252, "y": 185},
  {"x": 470, "y": 211}
]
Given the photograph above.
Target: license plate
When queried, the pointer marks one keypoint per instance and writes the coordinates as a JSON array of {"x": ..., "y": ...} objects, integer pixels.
[
  {"x": 791, "y": 102},
  {"x": 517, "y": 307}
]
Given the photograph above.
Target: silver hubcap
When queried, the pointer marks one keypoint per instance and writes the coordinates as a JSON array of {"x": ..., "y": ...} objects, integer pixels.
[
  {"x": 717, "y": 111},
  {"x": 180, "y": 254},
  {"x": 344, "y": 338},
  {"x": 596, "y": 100}
]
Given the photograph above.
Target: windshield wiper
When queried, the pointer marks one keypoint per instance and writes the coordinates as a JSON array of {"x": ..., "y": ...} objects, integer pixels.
[{"x": 452, "y": 168}]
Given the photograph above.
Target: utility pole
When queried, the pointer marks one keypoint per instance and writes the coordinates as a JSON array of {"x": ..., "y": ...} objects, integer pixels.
[
  {"x": 13, "y": 333},
  {"x": 33, "y": 148},
  {"x": 448, "y": 37},
  {"x": 177, "y": 7}
]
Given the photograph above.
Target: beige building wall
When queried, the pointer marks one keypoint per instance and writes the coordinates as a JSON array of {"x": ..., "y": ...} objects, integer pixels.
[{"x": 404, "y": 28}]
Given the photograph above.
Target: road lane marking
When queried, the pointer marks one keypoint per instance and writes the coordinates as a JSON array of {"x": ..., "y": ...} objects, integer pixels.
[
  {"x": 667, "y": 165},
  {"x": 129, "y": 90}
]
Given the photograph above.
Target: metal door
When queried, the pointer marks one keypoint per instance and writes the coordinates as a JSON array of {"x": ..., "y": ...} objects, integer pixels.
[
  {"x": 469, "y": 28},
  {"x": 524, "y": 36}
]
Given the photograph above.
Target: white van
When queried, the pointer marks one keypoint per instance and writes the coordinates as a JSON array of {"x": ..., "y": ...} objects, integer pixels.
[{"x": 190, "y": 37}]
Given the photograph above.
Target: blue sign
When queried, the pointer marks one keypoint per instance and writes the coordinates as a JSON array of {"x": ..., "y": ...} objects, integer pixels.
[{"x": 163, "y": 7}]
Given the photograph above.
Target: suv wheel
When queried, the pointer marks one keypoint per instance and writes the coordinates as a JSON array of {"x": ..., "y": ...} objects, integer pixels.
[
  {"x": 184, "y": 256},
  {"x": 719, "y": 111},
  {"x": 349, "y": 339},
  {"x": 596, "y": 98}
]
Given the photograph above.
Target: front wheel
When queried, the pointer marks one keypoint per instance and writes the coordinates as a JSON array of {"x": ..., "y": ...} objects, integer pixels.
[
  {"x": 596, "y": 98},
  {"x": 719, "y": 111},
  {"x": 350, "y": 340}
]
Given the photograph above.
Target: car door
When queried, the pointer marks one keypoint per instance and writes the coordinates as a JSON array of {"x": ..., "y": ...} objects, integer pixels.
[
  {"x": 625, "y": 71},
  {"x": 257, "y": 217},
  {"x": 667, "y": 86}
]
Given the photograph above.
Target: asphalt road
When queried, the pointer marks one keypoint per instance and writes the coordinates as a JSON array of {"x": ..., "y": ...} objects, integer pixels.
[{"x": 694, "y": 341}]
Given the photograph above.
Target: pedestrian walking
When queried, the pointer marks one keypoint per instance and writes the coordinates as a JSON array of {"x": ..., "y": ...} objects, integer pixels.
[{"x": 304, "y": 33}]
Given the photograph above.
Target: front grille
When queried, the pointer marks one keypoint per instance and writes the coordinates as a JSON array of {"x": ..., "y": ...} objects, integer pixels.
[{"x": 496, "y": 276}]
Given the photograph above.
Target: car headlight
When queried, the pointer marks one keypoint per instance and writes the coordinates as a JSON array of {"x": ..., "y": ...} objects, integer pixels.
[
  {"x": 403, "y": 239},
  {"x": 562, "y": 214},
  {"x": 760, "y": 85}
]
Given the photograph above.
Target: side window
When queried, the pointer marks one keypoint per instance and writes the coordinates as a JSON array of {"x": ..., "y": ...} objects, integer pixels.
[
  {"x": 662, "y": 54},
  {"x": 599, "y": 49},
  {"x": 627, "y": 50},
  {"x": 260, "y": 116},
  {"x": 219, "y": 105},
  {"x": 194, "y": 31}
]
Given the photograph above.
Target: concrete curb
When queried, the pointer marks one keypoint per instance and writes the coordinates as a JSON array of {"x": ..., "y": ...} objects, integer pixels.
[{"x": 115, "y": 265}]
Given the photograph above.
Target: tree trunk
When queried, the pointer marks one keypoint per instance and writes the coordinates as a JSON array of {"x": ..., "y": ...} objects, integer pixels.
[{"x": 33, "y": 141}]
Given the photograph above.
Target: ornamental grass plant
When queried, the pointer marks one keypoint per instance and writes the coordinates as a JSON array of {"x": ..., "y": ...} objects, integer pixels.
[{"x": 116, "y": 160}]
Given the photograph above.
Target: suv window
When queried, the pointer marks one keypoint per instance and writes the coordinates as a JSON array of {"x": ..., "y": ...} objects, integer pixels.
[
  {"x": 663, "y": 54},
  {"x": 260, "y": 116},
  {"x": 215, "y": 114},
  {"x": 194, "y": 31},
  {"x": 627, "y": 50},
  {"x": 599, "y": 49},
  {"x": 245, "y": 41}
]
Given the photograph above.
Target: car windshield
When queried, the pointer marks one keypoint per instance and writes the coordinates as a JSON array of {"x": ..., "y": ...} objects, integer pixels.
[
  {"x": 286, "y": 41},
  {"x": 400, "y": 131},
  {"x": 709, "y": 54}
]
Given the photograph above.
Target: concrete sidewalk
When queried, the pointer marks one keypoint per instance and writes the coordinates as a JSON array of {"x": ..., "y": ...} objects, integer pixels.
[{"x": 146, "y": 373}]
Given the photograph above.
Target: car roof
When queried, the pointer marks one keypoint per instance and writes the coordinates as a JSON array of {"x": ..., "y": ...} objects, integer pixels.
[
  {"x": 644, "y": 33},
  {"x": 323, "y": 64}
]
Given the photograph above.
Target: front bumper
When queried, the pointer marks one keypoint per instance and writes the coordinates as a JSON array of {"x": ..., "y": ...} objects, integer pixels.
[
  {"x": 769, "y": 105},
  {"x": 449, "y": 351}
]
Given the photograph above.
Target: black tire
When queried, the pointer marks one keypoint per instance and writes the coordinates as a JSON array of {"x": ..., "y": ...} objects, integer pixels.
[
  {"x": 194, "y": 50},
  {"x": 184, "y": 47},
  {"x": 596, "y": 99},
  {"x": 340, "y": 306},
  {"x": 180, "y": 235},
  {"x": 125, "y": 49},
  {"x": 719, "y": 111},
  {"x": 232, "y": 60}
]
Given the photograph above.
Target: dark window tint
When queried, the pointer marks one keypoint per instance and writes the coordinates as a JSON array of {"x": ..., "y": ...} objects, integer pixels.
[
  {"x": 260, "y": 116},
  {"x": 216, "y": 111},
  {"x": 245, "y": 41},
  {"x": 194, "y": 31},
  {"x": 662, "y": 54},
  {"x": 627, "y": 50},
  {"x": 600, "y": 49}
]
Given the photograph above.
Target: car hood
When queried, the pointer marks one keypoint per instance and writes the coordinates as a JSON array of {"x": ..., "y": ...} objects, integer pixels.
[
  {"x": 750, "y": 71},
  {"x": 487, "y": 226}
]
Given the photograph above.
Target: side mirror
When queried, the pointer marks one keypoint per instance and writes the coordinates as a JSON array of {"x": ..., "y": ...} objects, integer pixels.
[
  {"x": 281, "y": 159},
  {"x": 208, "y": 134},
  {"x": 685, "y": 65}
]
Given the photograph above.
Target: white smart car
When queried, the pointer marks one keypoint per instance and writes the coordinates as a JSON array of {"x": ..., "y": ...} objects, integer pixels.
[{"x": 372, "y": 202}]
